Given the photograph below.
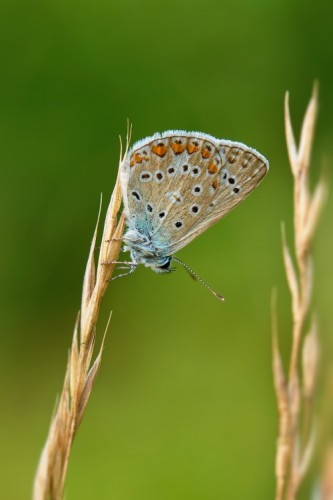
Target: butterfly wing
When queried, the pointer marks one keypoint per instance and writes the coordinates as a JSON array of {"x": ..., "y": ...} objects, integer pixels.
[
  {"x": 242, "y": 170},
  {"x": 178, "y": 184}
]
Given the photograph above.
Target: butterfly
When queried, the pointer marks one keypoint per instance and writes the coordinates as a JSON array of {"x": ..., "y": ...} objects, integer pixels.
[{"x": 177, "y": 184}]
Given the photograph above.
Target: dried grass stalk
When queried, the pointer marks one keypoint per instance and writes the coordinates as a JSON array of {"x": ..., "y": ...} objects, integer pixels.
[
  {"x": 80, "y": 373},
  {"x": 296, "y": 440},
  {"x": 326, "y": 492}
]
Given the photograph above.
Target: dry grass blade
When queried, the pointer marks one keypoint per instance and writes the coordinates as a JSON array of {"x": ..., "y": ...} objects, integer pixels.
[
  {"x": 326, "y": 487},
  {"x": 310, "y": 355},
  {"x": 305, "y": 145},
  {"x": 295, "y": 445},
  {"x": 282, "y": 458},
  {"x": 291, "y": 143},
  {"x": 81, "y": 372},
  {"x": 290, "y": 273}
]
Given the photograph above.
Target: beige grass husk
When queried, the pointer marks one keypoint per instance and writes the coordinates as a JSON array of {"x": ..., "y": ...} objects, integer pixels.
[
  {"x": 80, "y": 372},
  {"x": 296, "y": 437}
]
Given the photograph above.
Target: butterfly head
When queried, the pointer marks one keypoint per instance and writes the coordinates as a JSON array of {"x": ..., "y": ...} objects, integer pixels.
[
  {"x": 164, "y": 268},
  {"x": 156, "y": 263}
]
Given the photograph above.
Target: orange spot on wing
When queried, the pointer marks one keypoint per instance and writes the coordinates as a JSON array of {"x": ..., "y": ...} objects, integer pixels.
[
  {"x": 212, "y": 168},
  {"x": 132, "y": 161},
  {"x": 205, "y": 153},
  {"x": 215, "y": 184},
  {"x": 160, "y": 150},
  {"x": 192, "y": 149},
  {"x": 138, "y": 158},
  {"x": 178, "y": 148}
]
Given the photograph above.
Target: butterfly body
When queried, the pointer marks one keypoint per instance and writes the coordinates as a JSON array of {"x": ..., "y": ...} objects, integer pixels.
[
  {"x": 177, "y": 184},
  {"x": 145, "y": 249}
]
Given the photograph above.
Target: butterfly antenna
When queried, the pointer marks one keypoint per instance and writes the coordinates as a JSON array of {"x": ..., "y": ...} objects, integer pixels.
[{"x": 194, "y": 275}]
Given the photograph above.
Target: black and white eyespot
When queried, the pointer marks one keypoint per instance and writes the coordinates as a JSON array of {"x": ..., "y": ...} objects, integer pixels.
[
  {"x": 178, "y": 224},
  {"x": 224, "y": 175},
  {"x": 185, "y": 169},
  {"x": 197, "y": 189},
  {"x": 145, "y": 176},
  {"x": 236, "y": 190},
  {"x": 175, "y": 197},
  {"x": 196, "y": 171},
  {"x": 211, "y": 205},
  {"x": 136, "y": 195},
  {"x": 194, "y": 209},
  {"x": 171, "y": 170},
  {"x": 162, "y": 214},
  {"x": 149, "y": 207},
  {"x": 231, "y": 180},
  {"x": 159, "y": 176}
]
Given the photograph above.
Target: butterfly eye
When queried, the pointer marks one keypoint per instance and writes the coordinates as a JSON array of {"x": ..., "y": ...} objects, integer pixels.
[{"x": 166, "y": 265}]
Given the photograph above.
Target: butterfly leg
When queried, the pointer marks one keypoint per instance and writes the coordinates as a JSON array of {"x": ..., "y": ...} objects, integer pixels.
[
  {"x": 114, "y": 239},
  {"x": 125, "y": 239},
  {"x": 131, "y": 264},
  {"x": 133, "y": 267}
]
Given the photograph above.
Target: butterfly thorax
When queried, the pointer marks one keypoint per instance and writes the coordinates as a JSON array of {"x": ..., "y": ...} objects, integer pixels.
[{"x": 144, "y": 250}]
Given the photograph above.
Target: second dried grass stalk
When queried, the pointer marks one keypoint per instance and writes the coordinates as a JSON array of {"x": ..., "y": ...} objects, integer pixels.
[{"x": 294, "y": 393}]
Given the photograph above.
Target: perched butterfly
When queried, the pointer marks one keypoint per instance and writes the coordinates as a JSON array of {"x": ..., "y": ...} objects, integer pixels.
[{"x": 177, "y": 184}]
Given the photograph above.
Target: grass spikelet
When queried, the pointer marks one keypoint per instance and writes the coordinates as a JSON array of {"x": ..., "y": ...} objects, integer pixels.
[
  {"x": 296, "y": 437},
  {"x": 81, "y": 371}
]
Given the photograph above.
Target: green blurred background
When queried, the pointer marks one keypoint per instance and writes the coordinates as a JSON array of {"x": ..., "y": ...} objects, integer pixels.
[{"x": 183, "y": 407}]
